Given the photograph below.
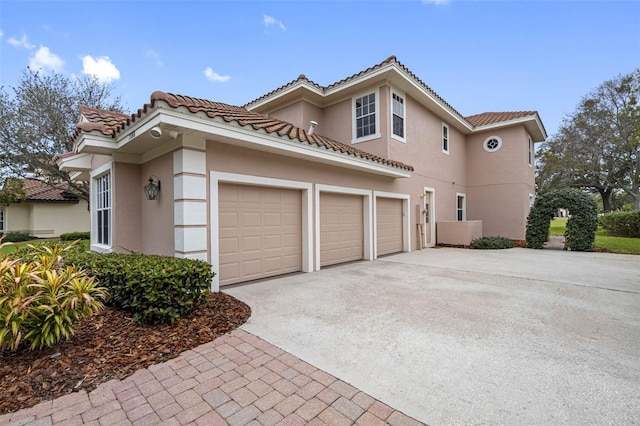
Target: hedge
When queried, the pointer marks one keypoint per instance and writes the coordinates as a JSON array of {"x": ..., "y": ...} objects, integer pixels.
[
  {"x": 16, "y": 237},
  {"x": 491, "y": 243},
  {"x": 156, "y": 289},
  {"x": 72, "y": 236},
  {"x": 621, "y": 224}
]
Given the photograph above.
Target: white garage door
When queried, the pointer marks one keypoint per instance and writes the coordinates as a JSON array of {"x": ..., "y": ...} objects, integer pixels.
[
  {"x": 260, "y": 232},
  {"x": 341, "y": 228},
  {"x": 388, "y": 225}
]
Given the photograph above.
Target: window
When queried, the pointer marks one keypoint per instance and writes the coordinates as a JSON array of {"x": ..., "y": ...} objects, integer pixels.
[
  {"x": 2, "y": 219},
  {"x": 397, "y": 116},
  {"x": 530, "y": 152},
  {"x": 103, "y": 209},
  {"x": 461, "y": 205},
  {"x": 492, "y": 144},
  {"x": 445, "y": 138},
  {"x": 532, "y": 199},
  {"x": 365, "y": 115}
]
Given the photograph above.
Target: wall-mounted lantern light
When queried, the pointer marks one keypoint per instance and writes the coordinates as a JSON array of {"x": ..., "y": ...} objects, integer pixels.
[{"x": 152, "y": 189}]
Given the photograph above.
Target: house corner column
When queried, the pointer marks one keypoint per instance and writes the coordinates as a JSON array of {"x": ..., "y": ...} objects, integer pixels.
[{"x": 190, "y": 200}]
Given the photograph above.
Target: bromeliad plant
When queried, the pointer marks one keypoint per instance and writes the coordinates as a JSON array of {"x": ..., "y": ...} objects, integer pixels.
[{"x": 41, "y": 299}]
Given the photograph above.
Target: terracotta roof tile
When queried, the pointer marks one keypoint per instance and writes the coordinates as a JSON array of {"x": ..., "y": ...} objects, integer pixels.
[
  {"x": 101, "y": 120},
  {"x": 230, "y": 114},
  {"x": 497, "y": 117},
  {"x": 36, "y": 190},
  {"x": 390, "y": 60}
]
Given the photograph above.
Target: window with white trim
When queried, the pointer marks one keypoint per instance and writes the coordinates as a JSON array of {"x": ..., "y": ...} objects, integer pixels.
[
  {"x": 461, "y": 207},
  {"x": 397, "y": 116},
  {"x": 365, "y": 113},
  {"x": 2, "y": 219},
  {"x": 492, "y": 143},
  {"x": 445, "y": 138},
  {"x": 103, "y": 209},
  {"x": 532, "y": 200},
  {"x": 530, "y": 152}
]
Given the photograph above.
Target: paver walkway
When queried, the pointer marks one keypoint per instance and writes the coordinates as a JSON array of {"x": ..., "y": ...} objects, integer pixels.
[{"x": 238, "y": 379}]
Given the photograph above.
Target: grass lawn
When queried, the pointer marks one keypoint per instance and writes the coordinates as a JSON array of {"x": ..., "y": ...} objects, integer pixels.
[
  {"x": 603, "y": 241},
  {"x": 8, "y": 248}
]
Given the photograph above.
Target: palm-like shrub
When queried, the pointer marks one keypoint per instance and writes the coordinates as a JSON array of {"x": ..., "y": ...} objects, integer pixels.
[{"x": 41, "y": 299}]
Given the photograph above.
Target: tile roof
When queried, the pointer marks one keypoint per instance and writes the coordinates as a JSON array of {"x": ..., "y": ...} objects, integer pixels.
[
  {"x": 229, "y": 114},
  {"x": 106, "y": 122},
  {"x": 37, "y": 190},
  {"x": 497, "y": 117},
  {"x": 390, "y": 60}
]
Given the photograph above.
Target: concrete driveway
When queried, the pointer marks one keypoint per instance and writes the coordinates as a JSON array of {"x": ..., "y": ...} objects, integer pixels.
[{"x": 453, "y": 336}]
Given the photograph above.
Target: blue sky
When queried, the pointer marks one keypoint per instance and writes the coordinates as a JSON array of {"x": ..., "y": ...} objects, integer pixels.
[{"x": 478, "y": 55}]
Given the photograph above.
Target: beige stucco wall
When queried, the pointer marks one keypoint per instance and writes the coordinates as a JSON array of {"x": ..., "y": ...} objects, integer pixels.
[
  {"x": 126, "y": 198},
  {"x": 500, "y": 183},
  {"x": 17, "y": 217},
  {"x": 48, "y": 220},
  {"x": 157, "y": 215}
]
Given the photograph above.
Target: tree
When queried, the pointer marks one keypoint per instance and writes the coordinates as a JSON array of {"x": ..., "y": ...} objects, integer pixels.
[
  {"x": 37, "y": 119},
  {"x": 597, "y": 147}
]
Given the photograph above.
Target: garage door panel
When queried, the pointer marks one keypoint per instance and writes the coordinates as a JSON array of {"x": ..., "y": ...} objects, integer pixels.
[
  {"x": 341, "y": 228},
  {"x": 389, "y": 225},
  {"x": 266, "y": 224}
]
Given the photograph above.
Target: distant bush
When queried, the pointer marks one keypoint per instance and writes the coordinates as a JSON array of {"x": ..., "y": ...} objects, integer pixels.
[
  {"x": 16, "y": 237},
  {"x": 72, "y": 236},
  {"x": 491, "y": 243},
  {"x": 621, "y": 224},
  {"x": 156, "y": 289}
]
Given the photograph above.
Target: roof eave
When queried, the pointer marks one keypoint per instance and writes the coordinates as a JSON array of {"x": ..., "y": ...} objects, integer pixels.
[{"x": 532, "y": 123}]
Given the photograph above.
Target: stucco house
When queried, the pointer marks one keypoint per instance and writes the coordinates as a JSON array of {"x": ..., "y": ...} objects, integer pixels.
[
  {"x": 46, "y": 212},
  {"x": 305, "y": 176}
]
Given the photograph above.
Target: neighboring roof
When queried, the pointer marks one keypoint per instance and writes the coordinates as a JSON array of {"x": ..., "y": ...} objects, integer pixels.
[
  {"x": 37, "y": 190},
  {"x": 229, "y": 114}
]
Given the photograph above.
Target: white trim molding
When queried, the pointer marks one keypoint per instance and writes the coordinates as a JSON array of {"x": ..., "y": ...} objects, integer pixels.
[
  {"x": 307, "y": 219},
  {"x": 406, "y": 219},
  {"x": 464, "y": 206},
  {"x": 190, "y": 203},
  {"x": 103, "y": 170},
  {"x": 367, "y": 220},
  {"x": 494, "y": 147}
]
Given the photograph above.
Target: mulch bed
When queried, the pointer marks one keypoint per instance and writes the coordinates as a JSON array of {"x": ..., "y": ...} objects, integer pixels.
[{"x": 110, "y": 345}]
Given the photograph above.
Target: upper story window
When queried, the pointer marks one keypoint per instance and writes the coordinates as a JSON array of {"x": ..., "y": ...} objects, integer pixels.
[
  {"x": 461, "y": 207},
  {"x": 366, "y": 121},
  {"x": 530, "y": 152},
  {"x": 2, "y": 219},
  {"x": 492, "y": 144},
  {"x": 397, "y": 116},
  {"x": 445, "y": 138},
  {"x": 101, "y": 227}
]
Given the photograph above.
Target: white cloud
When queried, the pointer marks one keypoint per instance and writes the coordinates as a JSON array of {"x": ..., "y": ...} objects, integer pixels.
[
  {"x": 100, "y": 67},
  {"x": 1, "y": 34},
  {"x": 214, "y": 76},
  {"x": 268, "y": 20},
  {"x": 436, "y": 2},
  {"x": 155, "y": 56},
  {"x": 43, "y": 59},
  {"x": 21, "y": 42}
]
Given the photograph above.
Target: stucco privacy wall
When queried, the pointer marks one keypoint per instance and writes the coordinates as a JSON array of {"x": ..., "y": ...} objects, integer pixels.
[
  {"x": 47, "y": 220},
  {"x": 17, "y": 217},
  {"x": 500, "y": 182}
]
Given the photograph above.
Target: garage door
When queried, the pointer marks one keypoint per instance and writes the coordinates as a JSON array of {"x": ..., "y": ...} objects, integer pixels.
[
  {"x": 260, "y": 232},
  {"x": 388, "y": 225},
  {"x": 341, "y": 228}
]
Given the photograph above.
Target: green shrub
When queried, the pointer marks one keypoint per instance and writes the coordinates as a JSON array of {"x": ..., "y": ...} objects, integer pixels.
[
  {"x": 156, "y": 289},
  {"x": 491, "y": 243},
  {"x": 72, "y": 236},
  {"x": 42, "y": 299},
  {"x": 621, "y": 224},
  {"x": 581, "y": 226},
  {"x": 16, "y": 237}
]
